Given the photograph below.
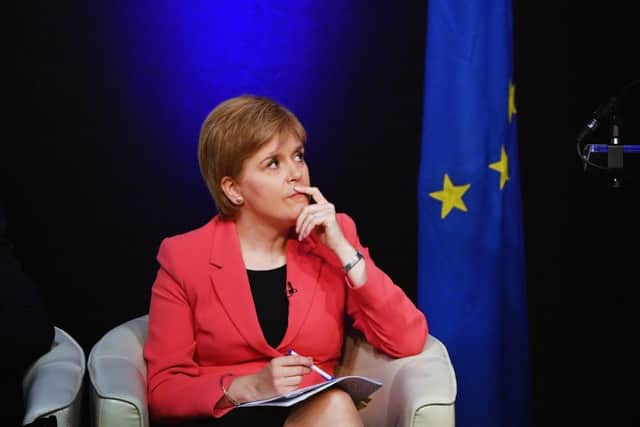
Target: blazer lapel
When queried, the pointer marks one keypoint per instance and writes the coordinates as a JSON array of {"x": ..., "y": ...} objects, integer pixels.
[
  {"x": 231, "y": 283},
  {"x": 303, "y": 272}
]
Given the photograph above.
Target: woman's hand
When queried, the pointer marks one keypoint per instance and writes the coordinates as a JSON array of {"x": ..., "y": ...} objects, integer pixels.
[
  {"x": 321, "y": 217},
  {"x": 281, "y": 375}
]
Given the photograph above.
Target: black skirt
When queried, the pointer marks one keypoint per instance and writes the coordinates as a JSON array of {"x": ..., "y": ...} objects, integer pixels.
[{"x": 264, "y": 416}]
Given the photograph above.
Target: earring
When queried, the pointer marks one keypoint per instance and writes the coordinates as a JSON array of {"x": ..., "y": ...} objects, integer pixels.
[{"x": 239, "y": 200}]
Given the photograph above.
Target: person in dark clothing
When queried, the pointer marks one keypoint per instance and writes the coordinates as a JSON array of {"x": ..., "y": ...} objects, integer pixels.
[{"x": 26, "y": 332}]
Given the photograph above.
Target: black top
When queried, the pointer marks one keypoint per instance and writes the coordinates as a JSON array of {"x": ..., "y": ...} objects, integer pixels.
[{"x": 271, "y": 302}]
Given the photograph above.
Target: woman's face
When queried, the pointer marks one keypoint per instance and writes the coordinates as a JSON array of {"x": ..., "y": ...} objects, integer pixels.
[{"x": 267, "y": 180}]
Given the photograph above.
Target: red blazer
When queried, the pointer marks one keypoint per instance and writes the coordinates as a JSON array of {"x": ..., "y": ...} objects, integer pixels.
[{"x": 203, "y": 324}]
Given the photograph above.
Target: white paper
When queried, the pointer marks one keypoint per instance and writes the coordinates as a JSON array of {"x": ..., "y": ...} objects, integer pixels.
[{"x": 358, "y": 387}]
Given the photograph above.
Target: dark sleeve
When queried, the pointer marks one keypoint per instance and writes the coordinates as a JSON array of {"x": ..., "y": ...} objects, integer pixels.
[{"x": 26, "y": 331}]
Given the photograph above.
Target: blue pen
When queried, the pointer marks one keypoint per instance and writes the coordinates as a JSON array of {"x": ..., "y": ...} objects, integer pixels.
[{"x": 320, "y": 372}]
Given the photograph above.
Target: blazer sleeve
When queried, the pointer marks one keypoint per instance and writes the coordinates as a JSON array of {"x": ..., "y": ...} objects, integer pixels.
[
  {"x": 380, "y": 309},
  {"x": 176, "y": 387}
]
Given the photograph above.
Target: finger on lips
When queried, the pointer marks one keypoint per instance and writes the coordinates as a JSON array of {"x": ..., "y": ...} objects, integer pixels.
[{"x": 312, "y": 191}]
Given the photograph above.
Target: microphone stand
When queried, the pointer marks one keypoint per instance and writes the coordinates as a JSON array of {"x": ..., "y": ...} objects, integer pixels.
[{"x": 615, "y": 152}]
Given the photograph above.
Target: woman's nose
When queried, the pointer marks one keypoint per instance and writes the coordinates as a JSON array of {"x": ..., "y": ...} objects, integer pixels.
[{"x": 295, "y": 171}]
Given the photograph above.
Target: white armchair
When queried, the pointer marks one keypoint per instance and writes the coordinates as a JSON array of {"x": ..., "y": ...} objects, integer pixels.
[
  {"x": 418, "y": 390},
  {"x": 53, "y": 385}
]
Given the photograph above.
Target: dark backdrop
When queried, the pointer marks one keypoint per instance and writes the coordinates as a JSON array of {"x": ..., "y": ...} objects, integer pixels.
[
  {"x": 90, "y": 192},
  {"x": 581, "y": 236}
]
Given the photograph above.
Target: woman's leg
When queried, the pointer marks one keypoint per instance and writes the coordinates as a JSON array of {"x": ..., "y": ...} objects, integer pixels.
[{"x": 332, "y": 407}]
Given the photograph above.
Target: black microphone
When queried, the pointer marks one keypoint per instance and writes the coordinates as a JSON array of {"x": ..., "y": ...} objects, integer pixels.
[
  {"x": 290, "y": 289},
  {"x": 601, "y": 112}
]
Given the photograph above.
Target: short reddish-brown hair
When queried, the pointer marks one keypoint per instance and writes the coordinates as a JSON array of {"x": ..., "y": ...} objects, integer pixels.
[{"x": 232, "y": 132}]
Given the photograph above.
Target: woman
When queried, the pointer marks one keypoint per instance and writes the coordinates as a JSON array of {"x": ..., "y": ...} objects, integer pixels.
[{"x": 276, "y": 269}]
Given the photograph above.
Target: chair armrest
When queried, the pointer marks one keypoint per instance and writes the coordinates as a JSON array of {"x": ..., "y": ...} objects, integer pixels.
[
  {"x": 118, "y": 377},
  {"x": 53, "y": 384},
  {"x": 417, "y": 390}
]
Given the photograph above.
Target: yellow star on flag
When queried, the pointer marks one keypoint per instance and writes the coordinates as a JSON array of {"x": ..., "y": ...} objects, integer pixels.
[
  {"x": 502, "y": 166},
  {"x": 512, "y": 100},
  {"x": 450, "y": 196}
]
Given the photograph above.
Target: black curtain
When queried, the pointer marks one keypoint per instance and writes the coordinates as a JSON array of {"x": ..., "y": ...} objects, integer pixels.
[{"x": 77, "y": 194}]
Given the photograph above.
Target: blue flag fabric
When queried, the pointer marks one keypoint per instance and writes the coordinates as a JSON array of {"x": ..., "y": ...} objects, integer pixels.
[{"x": 471, "y": 267}]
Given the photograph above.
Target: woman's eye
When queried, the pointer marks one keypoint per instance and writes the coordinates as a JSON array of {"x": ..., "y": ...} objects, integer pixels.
[
  {"x": 299, "y": 155},
  {"x": 273, "y": 164}
]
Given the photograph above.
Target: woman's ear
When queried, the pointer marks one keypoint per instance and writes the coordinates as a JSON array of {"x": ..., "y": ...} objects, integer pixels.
[{"x": 231, "y": 190}]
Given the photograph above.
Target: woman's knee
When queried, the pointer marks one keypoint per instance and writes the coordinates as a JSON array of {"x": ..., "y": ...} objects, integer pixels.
[
  {"x": 339, "y": 400},
  {"x": 332, "y": 407}
]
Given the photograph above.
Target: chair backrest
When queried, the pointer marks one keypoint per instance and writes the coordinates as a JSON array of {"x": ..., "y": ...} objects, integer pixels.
[
  {"x": 53, "y": 385},
  {"x": 118, "y": 376},
  {"x": 125, "y": 340}
]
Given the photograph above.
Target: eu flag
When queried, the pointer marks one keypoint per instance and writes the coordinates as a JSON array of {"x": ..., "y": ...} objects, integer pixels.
[{"x": 471, "y": 269}]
